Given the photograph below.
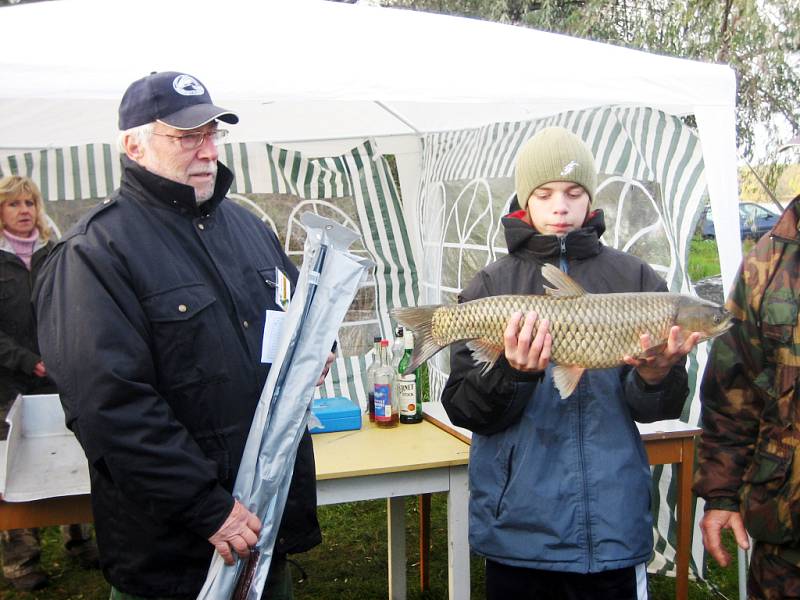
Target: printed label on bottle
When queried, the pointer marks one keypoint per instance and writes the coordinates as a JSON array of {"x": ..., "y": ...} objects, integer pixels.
[
  {"x": 407, "y": 394},
  {"x": 383, "y": 402}
]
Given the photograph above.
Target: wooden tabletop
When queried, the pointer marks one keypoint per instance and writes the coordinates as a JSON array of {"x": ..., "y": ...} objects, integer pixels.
[
  {"x": 372, "y": 450},
  {"x": 660, "y": 430}
]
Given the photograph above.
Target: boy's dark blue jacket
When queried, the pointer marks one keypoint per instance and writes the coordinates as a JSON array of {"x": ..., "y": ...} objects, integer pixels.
[{"x": 559, "y": 484}]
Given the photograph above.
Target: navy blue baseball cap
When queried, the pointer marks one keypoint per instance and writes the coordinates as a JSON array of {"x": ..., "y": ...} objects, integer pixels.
[{"x": 176, "y": 99}]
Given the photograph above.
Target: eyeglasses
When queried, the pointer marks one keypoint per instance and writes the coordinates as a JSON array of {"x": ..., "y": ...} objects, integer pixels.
[{"x": 191, "y": 141}]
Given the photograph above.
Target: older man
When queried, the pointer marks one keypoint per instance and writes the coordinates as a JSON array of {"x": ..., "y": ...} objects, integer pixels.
[{"x": 152, "y": 314}]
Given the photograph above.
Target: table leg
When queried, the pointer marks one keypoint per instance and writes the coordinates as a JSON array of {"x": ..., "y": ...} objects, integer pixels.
[
  {"x": 395, "y": 509},
  {"x": 457, "y": 536},
  {"x": 684, "y": 470},
  {"x": 424, "y": 541}
]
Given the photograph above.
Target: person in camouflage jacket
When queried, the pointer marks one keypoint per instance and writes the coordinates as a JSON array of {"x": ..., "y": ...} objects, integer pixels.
[{"x": 747, "y": 470}]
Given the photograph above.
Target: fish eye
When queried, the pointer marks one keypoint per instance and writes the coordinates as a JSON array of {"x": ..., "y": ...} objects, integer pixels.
[{"x": 717, "y": 319}]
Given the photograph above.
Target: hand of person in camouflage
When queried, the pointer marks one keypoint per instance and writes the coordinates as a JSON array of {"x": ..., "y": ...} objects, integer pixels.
[
  {"x": 524, "y": 351},
  {"x": 712, "y": 524},
  {"x": 653, "y": 369}
]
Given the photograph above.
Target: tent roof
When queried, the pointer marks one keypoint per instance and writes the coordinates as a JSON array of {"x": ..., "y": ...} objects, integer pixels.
[
  {"x": 310, "y": 70},
  {"x": 303, "y": 70}
]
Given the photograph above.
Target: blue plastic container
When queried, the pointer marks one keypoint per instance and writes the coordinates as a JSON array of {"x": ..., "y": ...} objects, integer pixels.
[{"x": 336, "y": 414}]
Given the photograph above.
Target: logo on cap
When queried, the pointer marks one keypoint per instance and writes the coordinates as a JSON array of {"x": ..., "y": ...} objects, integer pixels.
[
  {"x": 186, "y": 85},
  {"x": 569, "y": 167}
]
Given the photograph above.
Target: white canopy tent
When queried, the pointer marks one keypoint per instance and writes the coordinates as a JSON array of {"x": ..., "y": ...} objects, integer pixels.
[
  {"x": 323, "y": 89},
  {"x": 300, "y": 71}
]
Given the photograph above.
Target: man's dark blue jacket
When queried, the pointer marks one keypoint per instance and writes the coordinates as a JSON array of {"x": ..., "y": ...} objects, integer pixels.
[{"x": 151, "y": 313}]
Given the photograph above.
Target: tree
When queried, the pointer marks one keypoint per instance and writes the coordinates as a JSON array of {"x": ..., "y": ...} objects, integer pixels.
[{"x": 758, "y": 39}]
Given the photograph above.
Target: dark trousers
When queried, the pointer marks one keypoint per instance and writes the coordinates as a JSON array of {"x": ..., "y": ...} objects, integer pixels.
[
  {"x": 504, "y": 582},
  {"x": 277, "y": 587}
]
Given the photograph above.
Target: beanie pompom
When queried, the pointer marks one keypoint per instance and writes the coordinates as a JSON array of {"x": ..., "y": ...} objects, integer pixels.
[{"x": 553, "y": 154}]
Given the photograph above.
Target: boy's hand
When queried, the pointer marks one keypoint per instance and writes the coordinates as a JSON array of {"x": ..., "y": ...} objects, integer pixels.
[
  {"x": 653, "y": 369},
  {"x": 523, "y": 350}
]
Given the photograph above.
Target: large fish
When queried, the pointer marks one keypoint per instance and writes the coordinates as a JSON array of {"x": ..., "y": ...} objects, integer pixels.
[{"x": 589, "y": 331}]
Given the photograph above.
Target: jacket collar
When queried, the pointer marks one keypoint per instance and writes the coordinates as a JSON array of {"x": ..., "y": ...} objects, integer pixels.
[
  {"x": 5, "y": 245},
  {"x": 581, "y": 243},
  {"x": 788, "y": 225},
  {"x": 171, "y": 194}
]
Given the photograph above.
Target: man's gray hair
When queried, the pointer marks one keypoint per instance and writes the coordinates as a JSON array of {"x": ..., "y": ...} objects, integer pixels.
[{"x": 142, "y": 133}]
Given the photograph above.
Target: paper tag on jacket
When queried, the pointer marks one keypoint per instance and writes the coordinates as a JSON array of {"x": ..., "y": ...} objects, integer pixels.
[{"x": 273, "y": 325}]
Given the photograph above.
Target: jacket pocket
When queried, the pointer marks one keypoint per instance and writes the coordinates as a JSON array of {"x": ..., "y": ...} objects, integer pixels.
[
  {"x": 779, "y": 316},
  {"x": 770, "y": 497},
  {"x": 506, "y": 474},
  {"x": 185, "y": 336},
  {"x": 8, "y": 287}
]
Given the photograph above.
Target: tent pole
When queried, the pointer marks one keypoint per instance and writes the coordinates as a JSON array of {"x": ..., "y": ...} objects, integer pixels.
[{"x": 399, "y": 117}]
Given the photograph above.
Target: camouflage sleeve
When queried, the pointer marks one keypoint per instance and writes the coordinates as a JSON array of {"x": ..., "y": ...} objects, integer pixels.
[{"x": 731, "y": 403}]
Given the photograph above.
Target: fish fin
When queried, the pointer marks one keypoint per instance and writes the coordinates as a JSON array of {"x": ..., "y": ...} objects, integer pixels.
[
  {"x": 652, "y": 350},
  {"x": 484, "y": 351},
  {"x": 565, "y": 286},
  {"x": 419, "y": 320},
  {"x": 566, "y": 378}
]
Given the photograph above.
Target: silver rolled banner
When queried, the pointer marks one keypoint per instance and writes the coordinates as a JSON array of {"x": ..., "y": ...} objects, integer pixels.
[{"x": 328, "y": 282}]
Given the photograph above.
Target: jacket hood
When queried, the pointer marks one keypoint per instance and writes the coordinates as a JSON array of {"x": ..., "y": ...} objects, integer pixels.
[
  {"x": 581, "y": 243},
  {"x": 163, "y": 191}
]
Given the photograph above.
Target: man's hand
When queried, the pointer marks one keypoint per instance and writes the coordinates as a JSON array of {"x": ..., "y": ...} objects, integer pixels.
[
  {"x": 712, "y": 523},
  {"x": 523, "y": 350},
  {"x": 653, "y": 369},
  {"x": 39, "y": 369},
  {"x": 326, "y": 368},
  {"x": 238, "y": 534}
]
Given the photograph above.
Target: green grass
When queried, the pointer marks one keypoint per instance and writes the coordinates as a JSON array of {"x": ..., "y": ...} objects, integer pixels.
[
  {"x": 351, "y": 562},
  {"x": 703, "y": 257}
]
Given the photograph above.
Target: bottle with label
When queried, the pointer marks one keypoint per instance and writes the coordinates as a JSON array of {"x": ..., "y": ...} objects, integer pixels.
[
  {"x": 376, "y": 345},
  {"x": 406, "y": 386},
  {"x": 386, "y": 413},
  {"x": 398, "y": 346}
]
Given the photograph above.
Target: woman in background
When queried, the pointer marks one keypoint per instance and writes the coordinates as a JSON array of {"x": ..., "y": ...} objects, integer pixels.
[{"x": 25, "y": 242}]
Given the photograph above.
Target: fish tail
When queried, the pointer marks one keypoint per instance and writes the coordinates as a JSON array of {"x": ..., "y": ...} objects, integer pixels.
[{"x": 420, "y": 321}]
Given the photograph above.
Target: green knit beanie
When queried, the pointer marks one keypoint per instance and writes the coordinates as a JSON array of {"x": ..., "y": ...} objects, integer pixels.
[{"x": 554, "y": 154}]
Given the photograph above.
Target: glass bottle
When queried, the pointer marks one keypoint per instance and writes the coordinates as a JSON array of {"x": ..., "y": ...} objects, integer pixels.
[
  {"x": 406, "y": 386},
  {"x": 398, "y": 346},
  {"x": 376, "y": 345},
  {"x": 386, "y": 413}
]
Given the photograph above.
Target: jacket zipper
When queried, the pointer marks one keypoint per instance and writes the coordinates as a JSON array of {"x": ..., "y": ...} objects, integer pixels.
[
  {"x": 585, "y": 486},
  {"x": 562, "y": 261}
]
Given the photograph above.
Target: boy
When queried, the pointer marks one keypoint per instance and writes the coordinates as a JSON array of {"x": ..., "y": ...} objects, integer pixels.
[{"x": 560, "y": 488}]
